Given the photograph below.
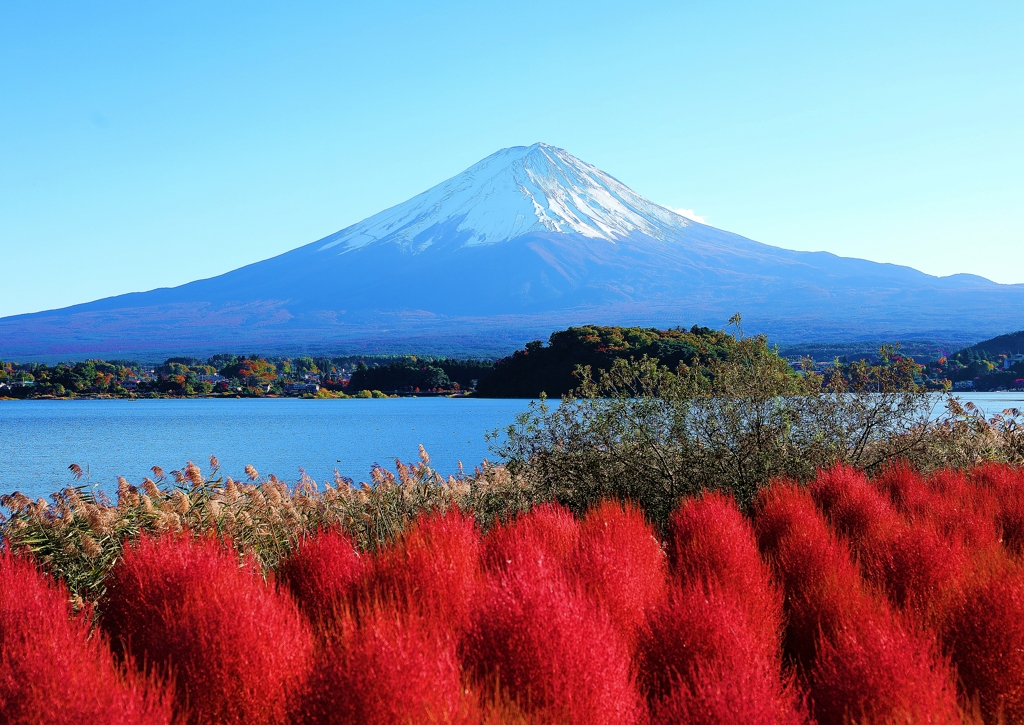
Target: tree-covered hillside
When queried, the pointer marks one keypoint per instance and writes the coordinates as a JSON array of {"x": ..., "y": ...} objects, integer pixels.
[
  {"x": 988, "y": 365},
  {"x": 550, "y": 369}
]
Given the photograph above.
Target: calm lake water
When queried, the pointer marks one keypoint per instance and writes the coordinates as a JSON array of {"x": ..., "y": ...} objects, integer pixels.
[{"x": 110, "y": 438}]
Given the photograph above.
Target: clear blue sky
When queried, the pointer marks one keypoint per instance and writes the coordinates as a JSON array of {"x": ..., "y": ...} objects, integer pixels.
[{"x": 146, "y": 144}]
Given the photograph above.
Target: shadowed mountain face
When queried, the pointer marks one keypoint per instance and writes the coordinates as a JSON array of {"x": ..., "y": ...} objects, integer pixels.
[{"x": 529, "y": 240}]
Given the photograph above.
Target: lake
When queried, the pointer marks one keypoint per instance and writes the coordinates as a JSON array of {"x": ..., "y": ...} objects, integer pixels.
[{"x": 111, "y": 438}]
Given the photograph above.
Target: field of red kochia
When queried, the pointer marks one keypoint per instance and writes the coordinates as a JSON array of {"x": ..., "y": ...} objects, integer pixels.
[{"x": 894, "y": 599}]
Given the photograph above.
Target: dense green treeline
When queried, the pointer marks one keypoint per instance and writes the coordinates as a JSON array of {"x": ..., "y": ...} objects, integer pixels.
[
  {"x": 415, "y": 375},
  {"x": 551, "y": 369}
]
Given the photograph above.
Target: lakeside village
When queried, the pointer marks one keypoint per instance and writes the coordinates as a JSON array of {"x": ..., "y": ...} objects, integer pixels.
[
  {"x": 235, "y": 376},
  {"x": 991, "y": 365}
]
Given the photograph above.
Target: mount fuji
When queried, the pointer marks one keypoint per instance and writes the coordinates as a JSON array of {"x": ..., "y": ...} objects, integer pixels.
[{"x": 528, "y": 240}]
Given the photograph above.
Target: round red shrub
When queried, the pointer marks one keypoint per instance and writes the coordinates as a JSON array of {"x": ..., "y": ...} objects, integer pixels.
[
  {"x": 53, "y": 670},
  {"x": 548, "y": 533},
  {"x": 862, "y": 660},
  {"x": 382, "y": 667},
  {"x": 712, "y": 542},
  {"x": 986, "y": 637},
  {"x": 702, "y": 662},
  {"x": 905, "y": 487},
  {"x": 821, "y": 583},
  {"x": 963, "y": 511},
  {"x": 874, "y": 669},
  {"x": 323, "y": 573},
  {"x": 235, "y": 648},
  {"x": 852, "y": 505},
  {"x": 919, "y": 570},
  {"x": 1007, "y": 483},
  {"x": 433, "y": 569},
  {"x": 551, "y": 649},
  {"x": 619, "y": 563}
]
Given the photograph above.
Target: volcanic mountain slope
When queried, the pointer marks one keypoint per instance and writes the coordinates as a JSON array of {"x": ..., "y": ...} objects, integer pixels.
[{"x": 528, "y": 240}]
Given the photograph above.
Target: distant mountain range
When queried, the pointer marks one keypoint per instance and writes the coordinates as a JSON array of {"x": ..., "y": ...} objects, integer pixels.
[{"x": 527, "y": 241}]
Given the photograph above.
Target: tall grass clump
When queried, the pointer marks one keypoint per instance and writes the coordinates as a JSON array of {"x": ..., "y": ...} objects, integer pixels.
[
  {"x": 78, "y": 536},
  {"x": 236, "y": 648},
  {"x": 862, "y": 661},
  {"x": 53, "y": 669}
]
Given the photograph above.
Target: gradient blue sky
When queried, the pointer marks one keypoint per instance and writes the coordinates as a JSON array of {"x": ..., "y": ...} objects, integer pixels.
[{"x": 145, "y": 146}]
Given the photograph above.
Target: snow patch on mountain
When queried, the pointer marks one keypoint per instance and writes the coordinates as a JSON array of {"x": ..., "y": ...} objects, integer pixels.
[{"x": 514, "y": 192}]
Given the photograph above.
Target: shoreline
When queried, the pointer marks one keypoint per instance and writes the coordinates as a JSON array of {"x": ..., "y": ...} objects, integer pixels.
[{"x": 135, "y": 398}]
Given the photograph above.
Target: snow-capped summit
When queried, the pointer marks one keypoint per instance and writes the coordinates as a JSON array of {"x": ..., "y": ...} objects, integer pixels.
[
  {"x": 527, "y": 241},
  {"x": 513, "y": 192}
]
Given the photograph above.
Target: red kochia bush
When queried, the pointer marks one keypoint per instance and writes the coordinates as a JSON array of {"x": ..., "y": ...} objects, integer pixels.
[
  {"x": 874, "y": 668},
  {"x": 540, "y": 639},
  {"x": 433, "y": 569},
  {"x": 964, "y": 511},
  {"x": 986, "y": 636},
  {"x": 905, "y": 488},
  {"x": 917, "y": 568},
  {"x": 548, "y": 533},
  {"x": 552, "y": 650},
  {"x": 52, "y": 670},
  {"x": 235, "y": 648},
  {"x": 323, "y": 573},
  {"x": 821, "y": 583},
  {"x": 712, "y": 651},
  {"x": 868, "y": 665},
  {"x": 1008, "y": 486},
  {"x": 956, "y": 508},
  {"x": 704, "y": 664},
  {"x": 853, "y": 505},
  {"x": 711, "y": 541},
  {"x": 387, "y": 667},
  {"x": 620, "y": 564}
]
